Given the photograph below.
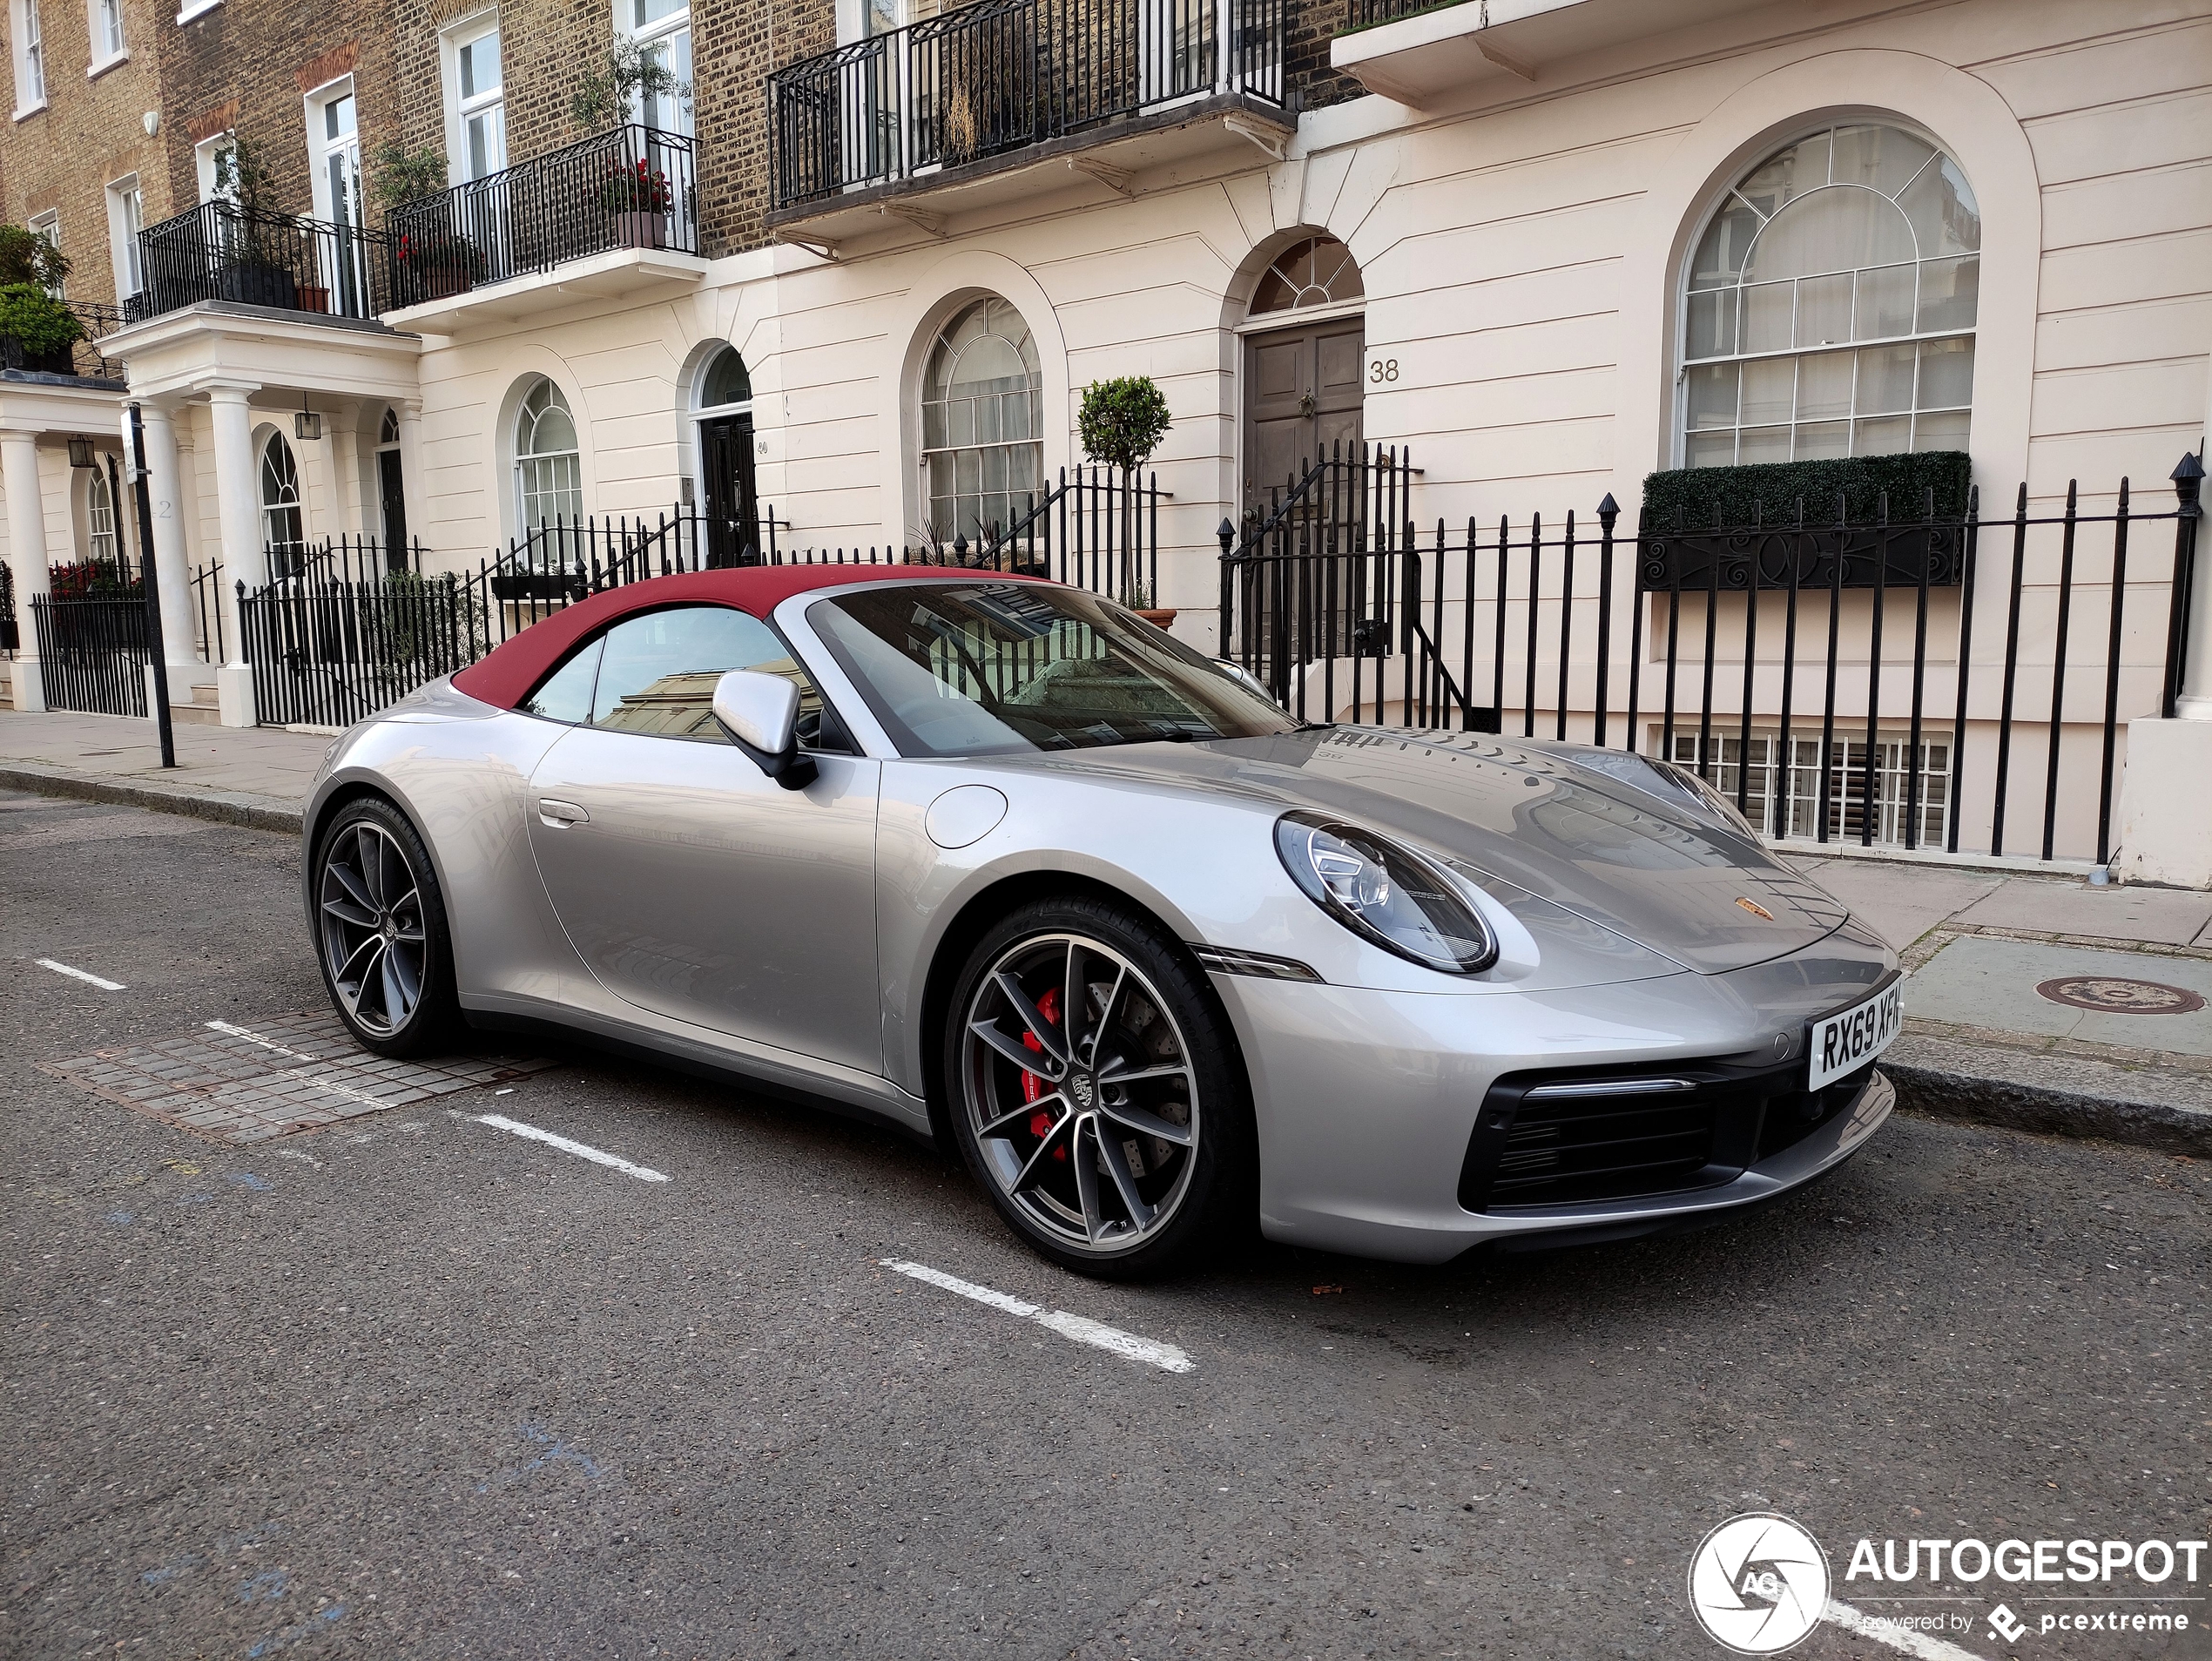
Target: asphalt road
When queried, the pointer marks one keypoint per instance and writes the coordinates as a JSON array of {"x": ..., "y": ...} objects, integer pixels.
[{"x": 413, "y": 1387}]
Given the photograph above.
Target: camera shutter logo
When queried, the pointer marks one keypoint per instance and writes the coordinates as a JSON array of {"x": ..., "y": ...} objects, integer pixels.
[{"x": 1758, "y": 1584}]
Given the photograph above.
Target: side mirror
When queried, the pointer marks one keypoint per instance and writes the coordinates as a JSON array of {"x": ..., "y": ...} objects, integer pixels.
[{"x": 760, "y": 713}]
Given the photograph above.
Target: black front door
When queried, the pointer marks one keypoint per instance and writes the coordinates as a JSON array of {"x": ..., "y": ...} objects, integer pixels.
[
  {"x": 732, "y": 515},
  {"x": 394, "y": 494}
]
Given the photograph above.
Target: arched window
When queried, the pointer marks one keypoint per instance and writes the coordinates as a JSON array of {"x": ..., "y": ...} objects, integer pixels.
[
  {"x": 548, "y": 477},
  {"x": 726, "y": 381},
  {"x": 99, "y": 519},
  {"x": 1829, "y": 308},
  {"x": 1319, "y": 271},
  {"x": 982, "y": 417},
  {"x": 281, "y": 533},
  {"x": 388, "y": 430}
]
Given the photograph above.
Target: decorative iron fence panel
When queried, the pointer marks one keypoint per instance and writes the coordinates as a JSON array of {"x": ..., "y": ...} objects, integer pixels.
[
  {"x": 11, "y": 631},
  {"x": 92, "y": 653},
  {"x": 348, "y": 632},
  {"x": 217, "y": 251},
  {"x": 1000, "y": 75},
  {"x": 1986, "y": 716},
  {"x": 629, "y": 187}
]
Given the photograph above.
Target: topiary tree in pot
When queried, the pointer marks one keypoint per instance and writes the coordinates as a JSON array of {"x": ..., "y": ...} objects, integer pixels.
[{"x": 1120, "y": 423}]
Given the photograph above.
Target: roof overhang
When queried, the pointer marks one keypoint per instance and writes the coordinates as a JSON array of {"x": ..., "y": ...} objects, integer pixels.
[
  {"x": 222, "y": 341},
  {"x": 624, "y": 274},
  {"x": 59, "y": 405},
  {"x": 1424, "y": 59},
  {"x": 1172, "y": 146}
]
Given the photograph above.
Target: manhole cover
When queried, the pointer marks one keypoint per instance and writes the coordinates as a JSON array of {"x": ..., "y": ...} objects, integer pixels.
[{"x": 2113, "y": 995}]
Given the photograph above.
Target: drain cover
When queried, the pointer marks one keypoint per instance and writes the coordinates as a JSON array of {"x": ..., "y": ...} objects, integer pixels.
[
  {"x": 2113, "y": 995},
  {"x": 273, "y": 1076}
]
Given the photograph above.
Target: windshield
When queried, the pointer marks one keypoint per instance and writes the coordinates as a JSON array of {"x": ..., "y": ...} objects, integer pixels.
[{"x": 993, "y": 667}]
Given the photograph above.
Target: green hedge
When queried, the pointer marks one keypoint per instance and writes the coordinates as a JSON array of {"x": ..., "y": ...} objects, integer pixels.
[{"x": 1711, "y": 498}]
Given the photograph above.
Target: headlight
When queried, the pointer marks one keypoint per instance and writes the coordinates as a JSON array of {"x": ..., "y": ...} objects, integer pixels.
[
  {"x": 1708, "y": 798},
  {"x": 1384, "y": 894}
]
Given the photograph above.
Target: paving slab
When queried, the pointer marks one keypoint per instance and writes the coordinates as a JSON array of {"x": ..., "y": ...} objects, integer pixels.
[
  {"x": 1990, "y": 983},
  {"x": 1902, "y": 901},
  {"x": 2166, "y": 917},
  {"x": 257, "y": 776}
]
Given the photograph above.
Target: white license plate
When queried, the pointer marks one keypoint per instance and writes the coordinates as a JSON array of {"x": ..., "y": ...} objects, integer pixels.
[{"x": 1845, "y": 1042}]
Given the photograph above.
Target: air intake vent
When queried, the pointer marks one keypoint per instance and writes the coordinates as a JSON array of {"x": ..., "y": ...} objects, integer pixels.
[{"x": 1563, "y": 1139}]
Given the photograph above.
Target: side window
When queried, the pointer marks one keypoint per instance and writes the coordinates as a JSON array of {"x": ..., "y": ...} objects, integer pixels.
[
  {"x": 658, "y": 672},
  {"x": 565, "y": 695}
]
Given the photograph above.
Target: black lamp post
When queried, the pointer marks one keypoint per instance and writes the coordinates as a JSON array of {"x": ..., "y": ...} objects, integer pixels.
[{"x": 157, "y": 650}]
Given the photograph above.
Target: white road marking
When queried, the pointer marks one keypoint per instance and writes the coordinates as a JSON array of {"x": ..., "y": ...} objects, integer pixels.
[
  {"x": 79, "y": 973},
  {"x": 1926, "y": 1645},
  {"x": 255, "y": 1038},
  {"x": 1082, "y": 1328},
  {"x": 515, "y": 1127}
]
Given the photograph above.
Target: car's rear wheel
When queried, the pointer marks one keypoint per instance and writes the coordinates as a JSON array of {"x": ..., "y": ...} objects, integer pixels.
[
  {"x": 1096, "y": 1092},
  {"x": 381, "y": 931}
]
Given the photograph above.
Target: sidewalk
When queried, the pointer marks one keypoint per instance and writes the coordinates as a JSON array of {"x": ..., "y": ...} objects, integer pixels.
[{"x": 2036, "y": 1001}]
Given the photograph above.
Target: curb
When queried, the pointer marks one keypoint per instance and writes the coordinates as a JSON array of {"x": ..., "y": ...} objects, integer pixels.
[
  {"x": 229, "y": 807},
  {"x": 2051, "y": 1094}
]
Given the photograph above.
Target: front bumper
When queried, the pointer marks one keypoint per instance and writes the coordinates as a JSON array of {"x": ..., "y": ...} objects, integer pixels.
[{"x": 1367, "y": 1101}]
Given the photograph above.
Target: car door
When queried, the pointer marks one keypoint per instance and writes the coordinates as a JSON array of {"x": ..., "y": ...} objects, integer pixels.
[{"x": 692, "y": 885}]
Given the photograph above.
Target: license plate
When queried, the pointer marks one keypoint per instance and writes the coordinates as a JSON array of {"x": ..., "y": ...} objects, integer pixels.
[{"x": 1846, "y": 1040}]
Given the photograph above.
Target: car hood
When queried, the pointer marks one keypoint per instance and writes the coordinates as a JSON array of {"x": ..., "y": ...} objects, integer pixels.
[{"x": 1572, "y": 830}]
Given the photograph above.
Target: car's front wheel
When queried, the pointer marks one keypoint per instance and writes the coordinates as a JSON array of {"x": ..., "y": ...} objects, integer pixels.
[
  {"x": 1096, "y": 1091},
  {"x": 381, "y": 931}
]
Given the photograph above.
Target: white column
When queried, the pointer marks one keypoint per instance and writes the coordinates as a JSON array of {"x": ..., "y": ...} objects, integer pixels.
[
  {"x": 163, "y": 496},
  {"x": 26, "y": 557},
  {"x": 418, "y": 511},
  {"x": 243, "y": 559}
]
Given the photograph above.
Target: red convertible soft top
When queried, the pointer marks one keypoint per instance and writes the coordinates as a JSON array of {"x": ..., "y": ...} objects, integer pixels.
[{"x": 505, "y": 676}]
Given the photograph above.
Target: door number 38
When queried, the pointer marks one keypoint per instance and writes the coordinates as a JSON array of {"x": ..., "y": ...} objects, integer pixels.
[{"x": 1382, "y": 369}]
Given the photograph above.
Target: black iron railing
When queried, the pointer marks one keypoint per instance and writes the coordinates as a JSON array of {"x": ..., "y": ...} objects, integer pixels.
[
  {"x": 218, "y": 251},
  {"x": 348, "y": 629},
  {"x": 631, "y": 187},
  {"x": 207, "y": 589},
  {"x": 1830, "y": 706},
  {"x": 997, "y": 75},
  {"x": 10, "y": 631},
  {"x": 92, "y": 653},
  {"x": 1366, "y": 14}
]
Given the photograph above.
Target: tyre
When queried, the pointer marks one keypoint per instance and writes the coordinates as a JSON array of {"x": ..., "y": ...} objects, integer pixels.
[
  {"x": 380, "y": 926},
  {"x": 1119, "y": 1143}
]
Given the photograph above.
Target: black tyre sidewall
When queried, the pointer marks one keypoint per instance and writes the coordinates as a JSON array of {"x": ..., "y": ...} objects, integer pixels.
[
  {"x": 1221, "y": 1200},
  {"x": 436, "y": 1019}
]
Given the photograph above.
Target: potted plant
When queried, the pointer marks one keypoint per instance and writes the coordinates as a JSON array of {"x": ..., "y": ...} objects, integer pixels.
[
  {"x": 636, "y": 198},
  {"x": 436, "y": 263},
  {"x": 256, "y": 239},
  {"x": 37, "y": 331},
  {"x": 1120, "y": 423}
]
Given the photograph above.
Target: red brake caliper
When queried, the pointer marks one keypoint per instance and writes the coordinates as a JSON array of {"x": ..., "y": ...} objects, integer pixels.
[{"x": 1033, "y": 1085}]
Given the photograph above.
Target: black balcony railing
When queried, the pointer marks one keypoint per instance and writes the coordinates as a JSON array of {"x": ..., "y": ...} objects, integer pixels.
[
  {"x": 217, "y": 251},
  {"x": 81, "y": 357},
  {"x": 632, "y": 187},
  {"x": 1003, "y": 74}
]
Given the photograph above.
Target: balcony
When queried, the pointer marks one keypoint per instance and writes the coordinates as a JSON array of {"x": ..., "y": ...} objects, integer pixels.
[
  {"x": 1004, "y": 98},
  {"x": 217, "y": 252},
  {"x": 81, "y": 359},
  {"x": 615, "y": 215}
]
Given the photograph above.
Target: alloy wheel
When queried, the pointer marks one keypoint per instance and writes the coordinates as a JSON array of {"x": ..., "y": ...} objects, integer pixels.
[
  {"x": 1079, "y": 1089},
  {"x": 374, "y": 942}
]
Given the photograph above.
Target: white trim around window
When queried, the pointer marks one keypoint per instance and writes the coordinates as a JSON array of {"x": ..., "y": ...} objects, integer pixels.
[
  {"x": 103, "y": 29},
  {"x": 48, "y": 226},
  {"x": 126, "y": 219},
  {"x": 473, "y": 87},
  {"x": 28, "y": 31},
  {"x": 196, "y": 8}
]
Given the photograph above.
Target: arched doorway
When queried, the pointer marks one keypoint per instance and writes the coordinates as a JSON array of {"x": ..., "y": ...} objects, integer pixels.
[
  {"x": 1304, "y": 341},
  {"x": 723, "y": 409}
]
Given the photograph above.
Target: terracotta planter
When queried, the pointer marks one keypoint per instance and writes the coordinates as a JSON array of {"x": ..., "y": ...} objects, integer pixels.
[
  {"x": 314, "y": 298},
  {"x": 639, "y": 230},
  {"x": 445, "y": 281},
  {"x": 1157, "y": 616}
]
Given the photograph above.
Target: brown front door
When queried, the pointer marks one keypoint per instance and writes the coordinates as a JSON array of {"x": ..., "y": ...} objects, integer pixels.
[{"x": 1301, "y": 398}]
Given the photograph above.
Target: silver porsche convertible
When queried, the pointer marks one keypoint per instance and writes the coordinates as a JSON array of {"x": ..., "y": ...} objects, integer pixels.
[{"x": 1003, "y": 864}]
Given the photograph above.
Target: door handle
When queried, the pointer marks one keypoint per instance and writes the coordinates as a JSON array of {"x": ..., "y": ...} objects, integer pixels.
[{"x": 559, "y": 815}]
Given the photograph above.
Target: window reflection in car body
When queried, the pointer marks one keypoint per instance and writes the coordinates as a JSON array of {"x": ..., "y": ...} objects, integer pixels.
[{"x": 1007, "y": 667}]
